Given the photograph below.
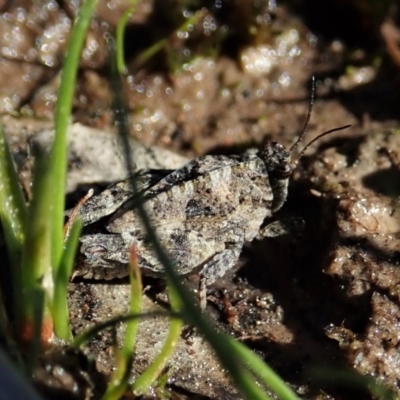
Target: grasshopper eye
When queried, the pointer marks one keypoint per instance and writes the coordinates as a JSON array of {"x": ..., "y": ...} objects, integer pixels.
[{"x": 95, "y": 249}]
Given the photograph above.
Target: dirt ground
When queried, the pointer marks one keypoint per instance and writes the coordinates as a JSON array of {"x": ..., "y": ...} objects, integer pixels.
[{"x": 327, "y": 297}]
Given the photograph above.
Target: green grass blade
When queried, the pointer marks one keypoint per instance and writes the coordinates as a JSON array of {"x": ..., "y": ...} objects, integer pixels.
[
  {"x": 121, "y": 120},
  {"x": 143, "y": 383},
  {"x": 148, "y": 53},
  {"x": 58, "y": 162},
  {"x": 135, "y": 304},
  {"x": 84, "y": 337},
  {"x": 13, "y": 210},
  {"x": 151, "y": 51},
  {"x": 149, "y": 376},
  {"x": 117, "y": 388},
  {"x": 60, "y": 306},
  {"x": 36, "y": 269},
  {"x": 262, "y": 370},
  {"x": 228, "y": 357},
  {"x": 119, "y": 38},
  {"x": 191, "y": 313},
  {"x": 13, "y": 215},
  {"x": 119, "y": 380}
]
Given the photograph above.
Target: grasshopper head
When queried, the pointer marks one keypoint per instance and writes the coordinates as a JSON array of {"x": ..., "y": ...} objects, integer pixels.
[{"x": 277, "y": 159}]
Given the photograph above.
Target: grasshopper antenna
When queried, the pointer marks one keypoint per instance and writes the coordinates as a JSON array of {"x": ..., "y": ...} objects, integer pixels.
[
  {"x": 340, "y": 128},
  {"x": 300, "y": 138},
  {"x": 310, "y": 108}
]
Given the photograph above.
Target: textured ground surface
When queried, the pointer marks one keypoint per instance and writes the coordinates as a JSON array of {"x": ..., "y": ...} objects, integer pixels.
[{"x": 326, "y": 297}]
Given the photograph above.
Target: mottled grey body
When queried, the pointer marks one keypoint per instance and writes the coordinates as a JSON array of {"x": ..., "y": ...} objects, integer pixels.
[{"x": 203, "y": 213}]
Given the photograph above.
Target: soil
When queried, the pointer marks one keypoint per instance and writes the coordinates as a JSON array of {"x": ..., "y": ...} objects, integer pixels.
[{"x": 325, "y": 297}]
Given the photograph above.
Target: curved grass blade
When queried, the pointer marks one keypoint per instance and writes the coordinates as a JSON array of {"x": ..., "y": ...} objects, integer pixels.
[
  {"x": 61, "y": 279},
  {"x": 191, "y": 313},
  {"x": 151, "y": 374},
  {"x": 117, "y": 387},
  {"x": 58, "y": 155},
  {"x": 135, "y": 304},
  {"x": 85, "y": 337},
  {"x": 119, "y": 38},
  {"x": 36, "y": 268},
  {"x": 261, "y": 370},
  {"x": 155, "y": 48},
  {"x": 13, "y": 210},
  {"x": 58, "y": 160},
  {"x": 119, "y": 380}
]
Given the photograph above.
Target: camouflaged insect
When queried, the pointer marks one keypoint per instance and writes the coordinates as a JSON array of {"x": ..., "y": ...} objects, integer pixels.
[{"x": 203, "y": 213}]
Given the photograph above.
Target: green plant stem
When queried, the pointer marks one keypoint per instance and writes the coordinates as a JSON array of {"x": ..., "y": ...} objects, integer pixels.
[
  {"x": 135, "y": 304},
  {"x": 58, "y": 161},
  {"x": 191, "y": 313},
  {"x": 60, "y": 306},
  {"x": 151, "y": 51},
  {"x": 13, "y": 212},
  {"x": 262, "y": 370},
  {"x": 119, "y": 380},
  {"x": 36, "y": 269},
  {"x": 119, "y": 38},
  {"x": 150, "y": 375},
  {"x": 84, "y": 337}
]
